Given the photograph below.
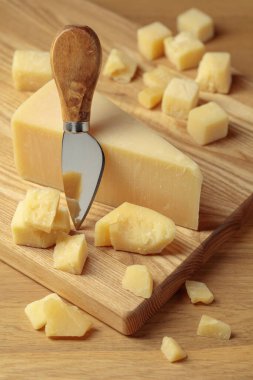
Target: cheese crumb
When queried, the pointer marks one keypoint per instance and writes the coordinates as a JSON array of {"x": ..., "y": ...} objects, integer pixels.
[
  {"x": 211, "y": 327},
  {"x": 138, "y": 280},
  {"x": 119, "y": 66},
  {"x": 150, "y": 40},
  {"x": 172, "y": 350},
  {"x": 198, "y": 292},
  {"x": 158, "y": 77},
  {"x": 196, "y": 22},
  {"x": 150, "y": 97}
]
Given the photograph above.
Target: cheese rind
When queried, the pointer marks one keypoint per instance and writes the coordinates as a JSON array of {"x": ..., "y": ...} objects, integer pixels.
[
  {"x": 158, "y": 77},
  {"x": 196, "y": 22},
  {"x": 35, "y": 311},
  {"x": 172, "y": 350},
  {"x": 119, "y": 66},
  {"x": 150, "y": 97},
  {"x": 198, "y": 292},
  {"x": 150, "y": 39},
  {"x": 138, "y": 280},
  {"x": 211, "y": 327}
]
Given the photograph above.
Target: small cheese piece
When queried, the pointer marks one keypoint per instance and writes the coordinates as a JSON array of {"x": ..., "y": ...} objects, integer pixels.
[
  {"x": 40, "y": 208},
  {"x": 180, "y": 96},
  {"x": 150, "y": 97},
  {"x": 65, "y": 320},
  {"x": 214, "y": 72},
  {"x": 30, "y": 69},
  {"x": 211, "y": 327},
  {"x": 119, "y": 66},
  {"x": 158, "y": 77},
  {"x": 70, "y": 253},
  {"x": 61, "y": 220},
  {"x": 184, "y": 50},
  {"x": 198, "y": 292},
  {"x": 150, "y": 39},
  {"x": 196, "y": 22},
  {"x": 35, "y": 311},
  {"x": 207, "y": 123},
  {"x": 172, "y": 350},
  {"x": 138, "y": 280}
]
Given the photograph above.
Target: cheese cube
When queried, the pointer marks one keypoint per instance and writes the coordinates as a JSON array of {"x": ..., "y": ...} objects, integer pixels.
[
  {"x": 138, "y": 280},
  {"x": 119, "y": 66},
  {"x": 61, "y": 220},
  {"x": 180, "y": 96},
  {"x": 30, "y": 69},
  {"x": 64, "y": 320},
  {"x": 150, "y": 97},
  {"x": 196, "y": 22},
  {"x": 172, "y": 350},
  {"x": 135, "y": 229},
  {"x": 70, "y": 253},
  {"x": 150, "y": 39},
  {"x": 40, "y": 208},
  {"x": 198, "y": 292},
  {"x": 207, "y": 123},
  {"x": 158, "y": 77},
  {"x": 214, "y": 73},
  {"x": 184, "y": 50},
  {"x": 213, "y": 328},
  {"x": 35, "y": 311}
]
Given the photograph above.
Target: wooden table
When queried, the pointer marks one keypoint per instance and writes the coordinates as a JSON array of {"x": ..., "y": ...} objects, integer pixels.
[{"x": 105, "y": 354}]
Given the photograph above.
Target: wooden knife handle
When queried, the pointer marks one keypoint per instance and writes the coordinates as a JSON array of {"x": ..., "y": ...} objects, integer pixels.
[{"x": 76, "y": 60}]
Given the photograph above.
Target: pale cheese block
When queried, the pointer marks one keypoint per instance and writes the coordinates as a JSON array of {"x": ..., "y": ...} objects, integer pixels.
[
  {"x": 199, "y": 292},
  {"x": 159, "y": 77},
  {"x": 31, "y": 69},
  {"x": 150, "y": 97},
  {"x": 140, "y": 166},
  {"x": 120, "y": 66},
  {"x": 172, "y": 350},
  {"x": 196, "y": 22},
  {"x": 138, "y": 280},
  {"x": 150, "y": 39},
  {"x": 213, "y": 328}
]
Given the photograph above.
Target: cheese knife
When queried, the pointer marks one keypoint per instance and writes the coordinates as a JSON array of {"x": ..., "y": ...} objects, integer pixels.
[{"x": 75, "y": 61}]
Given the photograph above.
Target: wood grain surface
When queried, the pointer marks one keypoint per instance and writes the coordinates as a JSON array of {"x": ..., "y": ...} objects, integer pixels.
[{"x": 107, "y": 353}]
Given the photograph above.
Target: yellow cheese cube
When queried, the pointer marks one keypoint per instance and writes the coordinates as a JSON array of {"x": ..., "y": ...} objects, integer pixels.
[
  {"x": 207, "y": 123},
  {"x": 61, "y": 220},
  {"x": 150, "y": 97},
  {"x": 64, "y": 320},
  {"x": 184, "y": 50},
  {"x": 196, "y": 22},
  {"x": 40, "y": 208},
  {"x": 213, "y": 328},
  {"x": 35, "y": 311},
  {"x": 180, "y": 96},
  {"x": 70, "y": 253},
  {"x": 172, "y": 350},
  {"x": 30, "y": 69},
  {"x": 138, "y": 280},
  {"x": 158, "y": 77},
  {"x": 214, "y": 73},
  {"x": 198, "y": 292},
  {"x": 150, "y": 39},
  {"x": 119, "y": 66}
]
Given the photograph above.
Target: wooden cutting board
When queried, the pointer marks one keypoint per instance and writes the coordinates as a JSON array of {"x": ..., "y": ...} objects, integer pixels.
[{"x": 227, "y": 166}]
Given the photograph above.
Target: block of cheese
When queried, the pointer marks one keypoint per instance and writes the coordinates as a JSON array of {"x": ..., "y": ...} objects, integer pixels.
[
  {"x": 150, "y": 97},
  {"x": 35, "y": 311},
  {"x": 150, "y": 39},
  {"x": 30, "y": 69},
  {"x": 214, "y": 72},
  {"x": 64, "y": 320},
  {"x": 184, "y": 50},
  {"x": 198, "y": 292},
  {"x": 140, "y": 166},
  {"x": 70, "y": 253},
  {"x": 213, "y": 328},
  {"x": 180, "y": 96},
  {"x": 120, "y": 66},
  {"x": 207, "y": 123},
  {"x": 158, "y": 77},
  {"x": 138, "y": 280},
  {"x": 196, "y": 22},
  {"x": 172, "y": 350}
]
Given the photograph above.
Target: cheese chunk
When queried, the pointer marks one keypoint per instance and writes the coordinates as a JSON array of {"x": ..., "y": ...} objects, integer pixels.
[
  {"x": 140, "y": 166},
  {"x": 184, "y": 50},
  {"x": 207, "y": 123},
  {"x": 35, "y": 311},
  {"x": 65, "y": 320},
  {"x": 150, "y": 97},
  {"x": 150, "y": 39},
  {"x": 158, "y": 77},
  {"x": 70, "y": 253},
  {"x": 138, "y": 280},
  {"x": 214, "y": 73},
  {"x": 196, "y": 22},
  {"x": 61, "y": 220},
  {"x": 172, "y": 350},
  {"x": 30, "y": 69},
  {"x": 213, "y": 328},
  {"x": 119, "y": 66},
  {"x": 198, "y": 292},
  {"x": 180, "y": 96}
]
